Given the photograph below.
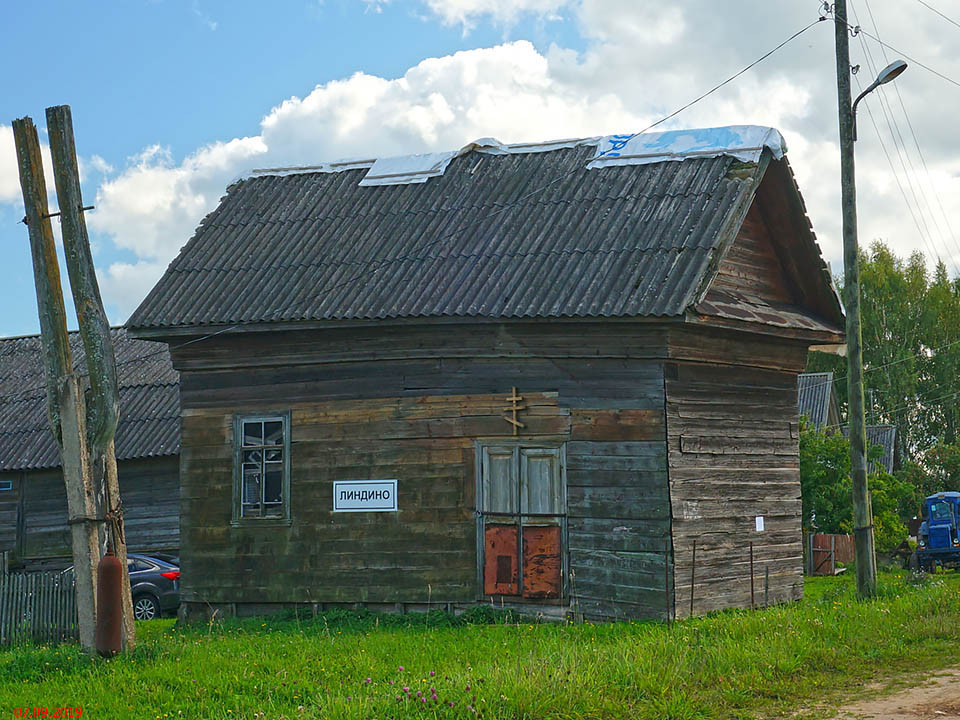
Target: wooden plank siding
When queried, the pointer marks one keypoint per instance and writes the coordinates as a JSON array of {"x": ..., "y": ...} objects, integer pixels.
[
  {"x": 150, "y": 493},
  {"x": 732, "y": 446},
  {"x": 670, "y": 433},
  {"x": 9, "y": 511},
  {"x": 751, "y": 267},
  {"x": 413, "y": 410}
]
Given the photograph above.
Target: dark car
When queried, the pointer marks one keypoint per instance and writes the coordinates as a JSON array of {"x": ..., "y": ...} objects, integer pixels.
[{"x": 154, "y": 585}]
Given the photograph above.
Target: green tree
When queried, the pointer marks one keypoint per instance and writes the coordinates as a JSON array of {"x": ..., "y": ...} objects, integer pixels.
[
  {"x": 825, "y": 485},
  {"x": 943, "y": 460}
]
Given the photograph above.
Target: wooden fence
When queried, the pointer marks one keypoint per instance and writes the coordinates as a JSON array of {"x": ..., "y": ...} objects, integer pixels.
[
  {"x": 37, "y": 607},
  {"x": 825, "y": 551}
]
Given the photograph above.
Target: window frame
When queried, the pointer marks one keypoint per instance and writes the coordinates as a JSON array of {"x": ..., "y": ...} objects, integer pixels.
[{"x": 239, "y": 419}]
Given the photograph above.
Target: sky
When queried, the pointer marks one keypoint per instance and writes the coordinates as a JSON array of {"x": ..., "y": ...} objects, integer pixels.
[{"x": 173, "y": 99}]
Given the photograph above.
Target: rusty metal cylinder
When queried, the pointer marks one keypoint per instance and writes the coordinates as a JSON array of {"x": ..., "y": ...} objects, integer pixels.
[{"x": 109, "y": 637}]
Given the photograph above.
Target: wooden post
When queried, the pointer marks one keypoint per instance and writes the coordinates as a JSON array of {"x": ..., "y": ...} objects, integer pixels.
[
  {"x": 753, "y": 602},
  {"x": 103, "y": 408},
  {"x": 766, "y": 585},
  {"x": 666, "y": 579},
  {"x": 862, "y": 513},
  {"x": 693, "y": 574},
  {"x": 65, "y": 403}
]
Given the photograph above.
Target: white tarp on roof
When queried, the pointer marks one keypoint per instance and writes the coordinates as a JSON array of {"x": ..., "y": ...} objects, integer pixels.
[
  {"x": 407, "y": 169},
  {"x": 744, "y": 142}
]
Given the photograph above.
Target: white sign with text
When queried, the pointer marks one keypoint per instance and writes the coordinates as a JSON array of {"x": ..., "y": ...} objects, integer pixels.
[{"x": 365, "y": 496}]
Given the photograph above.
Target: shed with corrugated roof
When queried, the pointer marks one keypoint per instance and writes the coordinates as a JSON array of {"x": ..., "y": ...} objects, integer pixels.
[
  {"x": 33, "y": 500},
  {"x": 557, "y": 376}
]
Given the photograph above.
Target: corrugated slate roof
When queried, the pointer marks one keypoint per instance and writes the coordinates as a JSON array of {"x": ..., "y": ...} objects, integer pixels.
[
  {"x": 149, "y": 401},
  {"x": 814, "y": 393},
  {"x": 476, "y": 242},
  {"x": 886, "y": 437}
]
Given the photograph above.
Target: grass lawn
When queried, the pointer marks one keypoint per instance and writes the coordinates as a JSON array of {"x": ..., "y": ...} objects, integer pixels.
[{"x": 346, "y": 665}]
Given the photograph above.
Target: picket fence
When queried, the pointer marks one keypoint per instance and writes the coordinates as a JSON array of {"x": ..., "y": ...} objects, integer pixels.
[{"x": 37, "y": 607}]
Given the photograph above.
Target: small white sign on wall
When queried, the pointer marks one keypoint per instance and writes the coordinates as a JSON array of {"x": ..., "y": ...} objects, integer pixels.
[
  {"x": 759, "y": 521},
  {"x": 365, "y": 496}
]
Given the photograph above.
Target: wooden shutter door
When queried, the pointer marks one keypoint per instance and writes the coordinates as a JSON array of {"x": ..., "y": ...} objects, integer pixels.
[
  {"x": 542, "y": 505},
  {"x": 500, "y": 498}
]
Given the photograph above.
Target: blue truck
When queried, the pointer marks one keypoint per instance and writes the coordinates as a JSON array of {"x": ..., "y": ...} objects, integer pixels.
[{"x": 938, "y": 540}]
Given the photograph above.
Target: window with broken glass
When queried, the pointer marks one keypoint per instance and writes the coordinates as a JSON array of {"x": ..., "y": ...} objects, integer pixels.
[{"x": 262, "y": 487}]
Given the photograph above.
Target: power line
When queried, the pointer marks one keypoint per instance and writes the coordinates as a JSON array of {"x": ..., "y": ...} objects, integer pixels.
[
  {"x": 36, "y": 389},
  {"x": 906, "y": 115},
  {"x": 403, "y": 258},
  {"x": 897, "y": 146},
  {"x": 896, "y": 176},
  {"x": 913, "y": 60},
  {"x": 912, "y": 356},
  {"x": 933, "y": 9},
  {"x": 909, "y": 407},
  {"x": 378, "y": 266}
]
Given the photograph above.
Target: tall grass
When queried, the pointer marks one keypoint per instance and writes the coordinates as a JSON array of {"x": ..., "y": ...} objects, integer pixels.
[{"x": 359, "y": 665}]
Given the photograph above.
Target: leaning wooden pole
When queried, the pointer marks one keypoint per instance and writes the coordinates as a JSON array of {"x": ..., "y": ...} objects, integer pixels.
[
  {"x": 65, "y": 402},
  {"x": 103, "y": 407}
]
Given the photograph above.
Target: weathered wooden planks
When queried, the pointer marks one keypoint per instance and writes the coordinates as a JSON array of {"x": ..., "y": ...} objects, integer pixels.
[
  {"x": 413, "y": 410},
  {"x": 150, "y": 490},
  {"x": 9, "y": 510},
  {"x": 732, "y": 446},
  {"x": 751, "y": 267},
  {"x": 657, "y": 453}
]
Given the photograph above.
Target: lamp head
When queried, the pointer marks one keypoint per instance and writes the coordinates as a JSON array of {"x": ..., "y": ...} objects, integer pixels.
[{"x": 890, "y": 72}]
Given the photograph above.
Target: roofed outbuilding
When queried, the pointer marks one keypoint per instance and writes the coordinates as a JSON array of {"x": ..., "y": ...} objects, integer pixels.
[
  {"x": 33, "y": 506},
  {"x": 560, "y": 376}
]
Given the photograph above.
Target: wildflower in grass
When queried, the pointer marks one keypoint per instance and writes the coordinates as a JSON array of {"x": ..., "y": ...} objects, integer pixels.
[
  {"x": 368, "y": 681},
  {"x": 432, "y": 673},
  {"x": 400, "y": 668}
]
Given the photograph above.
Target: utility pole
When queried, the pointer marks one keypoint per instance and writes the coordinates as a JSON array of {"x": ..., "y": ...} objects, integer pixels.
[
  {"x": 103, "y": 408},
  {"x": 862, "y": 513},
  {"x": 65, "y": 403}
]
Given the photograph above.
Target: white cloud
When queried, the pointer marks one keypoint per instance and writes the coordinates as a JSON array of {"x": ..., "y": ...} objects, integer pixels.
[
  {"x": 203, "y": 17},
  {"x": 100, "y": 165},
  {"x": 154, "y": 205},
  {"x": 467, "y": 12},
  {"x": 642, "y": 61},
  {"x": 10, "y": 172},
  {"x": 125, "y": 284}
]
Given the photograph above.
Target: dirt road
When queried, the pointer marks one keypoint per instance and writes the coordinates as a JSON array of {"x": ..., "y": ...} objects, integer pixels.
[{"x": 938, "y": 698}]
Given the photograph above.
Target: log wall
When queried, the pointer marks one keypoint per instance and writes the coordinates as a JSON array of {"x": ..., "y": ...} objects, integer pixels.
[
  {"x": 411, "y": 405},
  {"x": 689, "y": 428},
  {"x": 732, "y": 444},
  {"x": 150, "y": 492},
  {"x": 9, "y": 507}
]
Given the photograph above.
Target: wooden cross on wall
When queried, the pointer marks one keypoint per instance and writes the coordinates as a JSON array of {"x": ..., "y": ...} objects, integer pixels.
[{"x": 516, "y": 404}]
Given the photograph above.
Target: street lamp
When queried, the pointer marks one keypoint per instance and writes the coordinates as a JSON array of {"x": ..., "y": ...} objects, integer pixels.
[
  {"x": 886, "y": 75},
  {"x": 862, "y": 512}
]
